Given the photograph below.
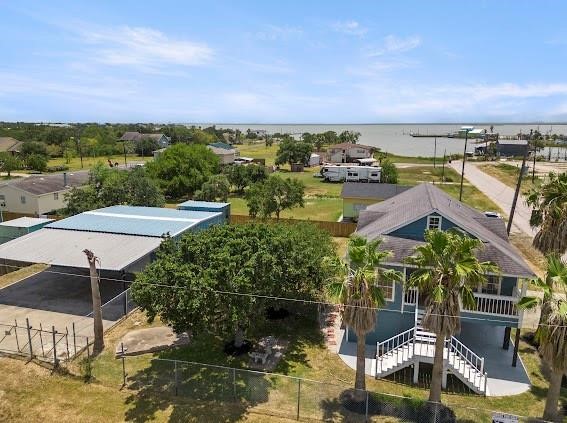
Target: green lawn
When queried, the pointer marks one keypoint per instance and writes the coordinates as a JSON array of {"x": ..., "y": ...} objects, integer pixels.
[
  {"x": 89, "y": 162},
  {"x": 508, "y": 175},
  {"x": 30, "y": 393}
]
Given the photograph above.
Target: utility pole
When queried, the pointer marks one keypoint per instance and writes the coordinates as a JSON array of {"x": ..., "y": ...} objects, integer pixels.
[
  {"x": 466, "y": 129},
  {"x": 435, "y": 153},
  {"x": 443, "y": 171},
  {"x": 97, "y": 309},
  {"x": 517, "y": 192}
]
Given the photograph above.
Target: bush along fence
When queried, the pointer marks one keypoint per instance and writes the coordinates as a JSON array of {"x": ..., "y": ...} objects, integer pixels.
[
  {"x": 45, "y": 344},
  {"x": 337, "y": 229},
  {"x": 245, "y": 391}
]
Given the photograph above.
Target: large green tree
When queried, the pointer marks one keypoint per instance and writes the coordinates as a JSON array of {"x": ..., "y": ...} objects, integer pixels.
[
  {"x": 9, "y": 163},
  {"x": 108, "y": 187},
  {"x": 182, "y": 169},
  {"x": 549, "y": 214},
  {"x": 356, "y": 285},
  {"x": 389, "y": 173},
  {"x": 292, "y": 151},
  {"x": 446, "y": 275},
  {"x": 242, "y": 176},
  {"x": 349, "y": 136},
  {"x": 274, "y": 195},
  {"x": 189, "y": 284},
  {"x": 552, "y": 329},
  {"x": 216, "y": 188}
]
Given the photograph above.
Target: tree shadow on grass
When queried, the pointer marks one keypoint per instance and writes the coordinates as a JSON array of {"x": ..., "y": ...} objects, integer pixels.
[
  {"x": 345, "y": 408},
  {"x": 190, "y": 390},
  {"x": 200, "y": 388}
]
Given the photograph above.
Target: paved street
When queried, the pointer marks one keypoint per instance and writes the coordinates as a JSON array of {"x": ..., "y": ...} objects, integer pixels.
[{"x": 500, "y": 194}]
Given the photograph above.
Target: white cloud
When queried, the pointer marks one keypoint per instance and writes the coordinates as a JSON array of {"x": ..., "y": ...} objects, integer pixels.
[
  {"x": 393, "y": 45},
  {"x": 274, "y": 32},
  {"x": 145, "y": 47},
  {"x": 350, "y": 27},
  {"x": 380, "y": 67}
]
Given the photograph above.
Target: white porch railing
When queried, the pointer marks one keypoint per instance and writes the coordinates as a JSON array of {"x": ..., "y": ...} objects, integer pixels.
[
  {"x": 388, "y": 351},
  {"x": 498, "y": 305},
  {"x": 410, "y": 296},
  {"x": 466, "y": 362}
]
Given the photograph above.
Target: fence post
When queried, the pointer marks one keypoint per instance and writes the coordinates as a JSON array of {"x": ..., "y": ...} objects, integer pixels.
[
  {"x": 75, "y": 339},
  {"x": 366, "y": 412},
  {"x": 54, "y": 346},
  {"x": 234, "y": 382},
  {"x": 176, "y": 378},
  {"x": 123, "y": 364},
  {"x": 29, "y": 337},
  {"x": 41, "y": 340},
  {"x": 67, "y": 341},
  {"x": 298, "y": 397},
  {"x": 16, "y": 333}
]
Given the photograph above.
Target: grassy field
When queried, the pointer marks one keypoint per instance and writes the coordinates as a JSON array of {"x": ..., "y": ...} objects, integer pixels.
[
  {"x": 89, "y": 162},
  {"x": 18, "y": 275},
  {"x": 30, "y": 393},
  {"x": 508, "y": 175}
]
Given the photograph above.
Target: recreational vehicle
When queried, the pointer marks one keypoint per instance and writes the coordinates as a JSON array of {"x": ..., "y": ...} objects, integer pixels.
[{"x": 335, "y": 173}]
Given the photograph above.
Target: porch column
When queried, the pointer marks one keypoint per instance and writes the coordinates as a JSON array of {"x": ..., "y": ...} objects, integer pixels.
[
  {"x": 416, "y": 372},
  {"x": 516, "y": 347},
  {"x": 444, "y": 378},
  {"x": 506, "y": 341}
]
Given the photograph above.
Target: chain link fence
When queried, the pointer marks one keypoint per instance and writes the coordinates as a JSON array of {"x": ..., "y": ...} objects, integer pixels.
[
  {"x": 290, "y": 397},
  {"x": 45, "y": 344}
]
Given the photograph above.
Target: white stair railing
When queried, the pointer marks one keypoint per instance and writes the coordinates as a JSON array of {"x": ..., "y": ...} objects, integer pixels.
[
  {"x": 392, "y": 348},
  {"x": 466, "y": 362}
]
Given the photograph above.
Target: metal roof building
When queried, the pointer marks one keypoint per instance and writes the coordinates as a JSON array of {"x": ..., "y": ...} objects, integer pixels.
[
  {"x": 123, "y": 237},
  {"x": 143, "y": 221}
]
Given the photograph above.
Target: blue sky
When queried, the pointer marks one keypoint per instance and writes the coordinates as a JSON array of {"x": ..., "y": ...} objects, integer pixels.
[{"x": 278, "y": 62}]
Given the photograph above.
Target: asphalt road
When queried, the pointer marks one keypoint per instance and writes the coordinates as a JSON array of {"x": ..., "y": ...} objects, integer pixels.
[{"x": 501, "y": 194}]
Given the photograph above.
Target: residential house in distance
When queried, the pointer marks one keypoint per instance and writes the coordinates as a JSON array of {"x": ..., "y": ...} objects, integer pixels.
[
  {"x": 511, "y": 148},
  {"x": 225, "y": 152},
  {"x": 162, "y": 139},
  {"x": 480, "y": 355},
  {"x": 10, "y": 145},
  {"x": 348, "y": 152},
  {"x": 41, "y": 194},
  {"x": 357, "y": 196}
]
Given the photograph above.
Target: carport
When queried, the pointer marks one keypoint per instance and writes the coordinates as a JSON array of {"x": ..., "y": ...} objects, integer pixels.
[
  {"x": 60, "y": 296},
  {"x": 123, "y": 238}
]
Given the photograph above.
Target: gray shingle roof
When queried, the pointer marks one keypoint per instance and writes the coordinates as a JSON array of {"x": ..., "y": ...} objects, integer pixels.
[
  {"x": 45, "y": 184},
  {"x": 371, "y": 190},
  {"x": 10, "y": 144},
  {"x": 383, "y": 218}
]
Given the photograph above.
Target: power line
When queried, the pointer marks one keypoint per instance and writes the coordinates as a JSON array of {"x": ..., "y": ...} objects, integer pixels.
[{"x": 277, "y": 298}]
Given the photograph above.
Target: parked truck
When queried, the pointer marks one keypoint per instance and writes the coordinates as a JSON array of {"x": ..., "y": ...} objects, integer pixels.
[{"x": 336, "y": 173}]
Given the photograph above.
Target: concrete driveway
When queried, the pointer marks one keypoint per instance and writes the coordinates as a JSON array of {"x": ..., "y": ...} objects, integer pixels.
[{"x": 56, "y": 300}]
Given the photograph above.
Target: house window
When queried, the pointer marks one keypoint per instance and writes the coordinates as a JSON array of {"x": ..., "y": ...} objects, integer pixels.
[
  {"x": 492, "y": 285},
  {"x": 434, "y": 222},
  {"x": 56, "y": 196},
  {"x": 387, "y": 288},
  {"x": 2, "y": 197},
  {"x": 23, "y": 199}
]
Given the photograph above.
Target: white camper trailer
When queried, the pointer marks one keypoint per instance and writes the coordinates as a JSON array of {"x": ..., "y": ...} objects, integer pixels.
[{"x": 335, "y": 173}]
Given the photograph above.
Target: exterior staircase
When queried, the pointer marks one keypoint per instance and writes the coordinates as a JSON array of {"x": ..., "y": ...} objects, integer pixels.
[{"x": 417, "y": 345}]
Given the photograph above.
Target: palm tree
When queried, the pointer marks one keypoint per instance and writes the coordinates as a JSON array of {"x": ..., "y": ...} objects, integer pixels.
[
  {"x": 447, "y": 272},
  {"x": 356, "y": 285},
  {"x": 549, "y": 213},
  {"x": 552, "y": 329}
]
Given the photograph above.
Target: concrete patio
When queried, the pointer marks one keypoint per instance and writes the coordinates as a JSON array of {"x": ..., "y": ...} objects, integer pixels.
[{"x": 486, "y": 341}]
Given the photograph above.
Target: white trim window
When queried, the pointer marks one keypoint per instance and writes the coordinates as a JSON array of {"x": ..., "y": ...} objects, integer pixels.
[
  {"x": 388, "y": 288},
  {"x": 434, "y": 222},
  {"x": 492, "y": 285}
]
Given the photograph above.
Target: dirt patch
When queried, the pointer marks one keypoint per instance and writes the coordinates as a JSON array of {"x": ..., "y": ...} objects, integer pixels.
[{"x": 143, "y": 341}]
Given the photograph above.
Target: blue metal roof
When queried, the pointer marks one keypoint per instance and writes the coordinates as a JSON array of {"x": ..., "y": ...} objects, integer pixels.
[
  {"x": 145, "y": 221},
  {"x": 202, "y": 204}
]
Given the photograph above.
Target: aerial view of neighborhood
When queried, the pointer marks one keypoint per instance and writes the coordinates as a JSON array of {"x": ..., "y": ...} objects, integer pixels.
[{"x": 315, "y": 211}]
